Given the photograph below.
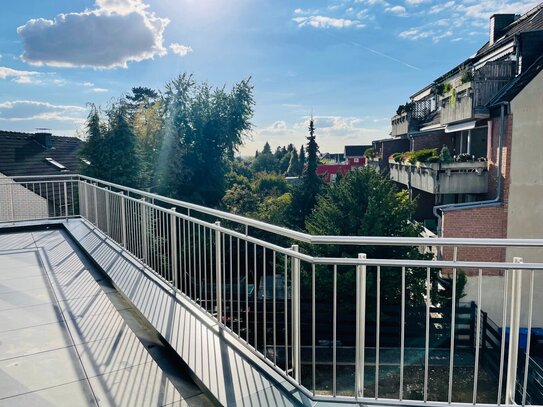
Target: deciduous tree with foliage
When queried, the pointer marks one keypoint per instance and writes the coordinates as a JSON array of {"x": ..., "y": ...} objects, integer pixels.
[{"x": 203, "y": 128}]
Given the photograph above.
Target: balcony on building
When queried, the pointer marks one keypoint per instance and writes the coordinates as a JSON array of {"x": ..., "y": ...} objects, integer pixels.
[
  {"x": 469, "y": 94},
  {"x": 442, "y": 178}
]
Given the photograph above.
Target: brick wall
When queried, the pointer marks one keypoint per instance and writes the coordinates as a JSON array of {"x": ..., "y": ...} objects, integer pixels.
[
  {"x": 485, "y": 222},
  {"x": 434, "y": 140}
]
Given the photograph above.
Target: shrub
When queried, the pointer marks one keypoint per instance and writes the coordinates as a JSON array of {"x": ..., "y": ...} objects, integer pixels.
[
  {"x": 369, "y": 153},
  {"x": 423, "y": 155},
  {"x": 467, "y": 76},
  {"x": 433, "y": 159},
  {"x": 445, "y": 155},
  {"x": 397, "y": 157}
]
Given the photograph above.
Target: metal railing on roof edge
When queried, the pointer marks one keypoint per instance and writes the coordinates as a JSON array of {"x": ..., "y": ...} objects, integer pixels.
[{"x": 293, "y": 310}]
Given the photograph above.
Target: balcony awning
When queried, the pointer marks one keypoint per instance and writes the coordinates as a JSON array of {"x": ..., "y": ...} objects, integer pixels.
[{"x": 451, "y": 128}]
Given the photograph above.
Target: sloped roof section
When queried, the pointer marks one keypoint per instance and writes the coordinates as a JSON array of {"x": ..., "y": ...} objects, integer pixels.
[
  {"x": 26, "y": 154},
  {"x": 514, "y": 87},
  {"x": 355, "y": 151},
  {"x": 531, "y": 21}
]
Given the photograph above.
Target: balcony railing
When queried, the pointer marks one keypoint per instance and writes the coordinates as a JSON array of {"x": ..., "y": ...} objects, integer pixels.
[
  {"x": 438, "y": 178},
  {"x": 344, "y": 329},
  {"x": 470, "y": 99}
]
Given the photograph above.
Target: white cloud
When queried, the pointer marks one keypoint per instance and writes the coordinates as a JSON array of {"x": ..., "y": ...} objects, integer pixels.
[
  {"x": 18, "y": 76},
  {"x": 88, "y": 84},
  {"x": 100, "y": 90},
  {"x": 483, "y": 9},
  {"x": 111, "y": 35},
  {"x": 27, "y": 110},
  {"x": 417, "y": 2},
  {"x": 396, "y": 10},
  {"x": 415, "y": 34},
  {"x": 180, "y": 49},
  {"x": 327, "y": 22}
]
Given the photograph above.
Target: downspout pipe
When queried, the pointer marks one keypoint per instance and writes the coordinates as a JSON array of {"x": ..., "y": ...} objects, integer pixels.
[{"x": 491, "y": 202}]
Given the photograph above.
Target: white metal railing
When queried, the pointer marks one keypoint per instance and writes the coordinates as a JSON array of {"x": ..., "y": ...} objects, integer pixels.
[{"x": 355, "y": 329}]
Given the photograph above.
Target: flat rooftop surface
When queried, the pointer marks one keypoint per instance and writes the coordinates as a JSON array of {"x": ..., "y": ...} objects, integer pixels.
[{"x": 68, "y": 338}]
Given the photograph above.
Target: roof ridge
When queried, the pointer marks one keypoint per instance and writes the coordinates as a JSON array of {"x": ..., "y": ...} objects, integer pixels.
[{"x": 524, "y": 16}]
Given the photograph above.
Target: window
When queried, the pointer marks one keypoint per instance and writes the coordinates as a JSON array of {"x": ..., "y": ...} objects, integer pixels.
[{"x": 55, "y": 163}]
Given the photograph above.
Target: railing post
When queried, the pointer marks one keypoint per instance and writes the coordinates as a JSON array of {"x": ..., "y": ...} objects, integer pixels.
[
  {"x": 218, "y": 271},
  {"x": 65, "y": 199},
  {"x": 173, "y": 240},
  {"x": 123, "y": 221},
  {"x": 512, "y": 361},
  {"x": 108, "y": 226},
  {"x": 143, "y": 230},
  {"x": 95, "y": 204},
  {"x": 296, "y": 359},
  {"x": 11, "y": 200},
  {"x": 360, "y": 325}
]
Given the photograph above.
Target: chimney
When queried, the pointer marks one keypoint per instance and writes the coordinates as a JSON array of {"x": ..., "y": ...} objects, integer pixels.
[
  {"x": 45, "y": 139},
  {"x": 497, "y": 23}
]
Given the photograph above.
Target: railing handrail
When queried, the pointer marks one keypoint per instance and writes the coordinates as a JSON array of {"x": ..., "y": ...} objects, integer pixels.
[{"x": 306, "y": 237}]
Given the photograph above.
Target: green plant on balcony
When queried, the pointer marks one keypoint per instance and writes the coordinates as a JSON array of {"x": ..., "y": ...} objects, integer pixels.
[
  {"x": 407, "y": 108},
  {"x": 445, "y": 155},
  {"x": 464, "y": 157},
  {"x": 453, "y": 97},
  {"x": 370, "y": 153},
  {"x": 438, "y": 89},
  {"x": 466, "y": 76},
  {"x": 397, "y": 157},
  {"x": 447, "y": 88},
  {"x": 422, "y": 156}
]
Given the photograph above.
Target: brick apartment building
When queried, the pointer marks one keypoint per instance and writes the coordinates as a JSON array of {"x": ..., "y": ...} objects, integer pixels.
[{"x": 488, "y": 112}]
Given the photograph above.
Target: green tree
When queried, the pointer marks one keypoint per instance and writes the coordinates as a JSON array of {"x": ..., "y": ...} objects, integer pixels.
[
  {"x": 203, "y": 128},
  {"x": 120, "y": 149},
  {"x": 92, "y": 152},
  {"x": 364, "y": 203},
  {"x": 305, "y": 195},
  {"x": 265, "y": 161},
  {"x": 302, "y": 158},
  {"x": 294, "y": 168}
]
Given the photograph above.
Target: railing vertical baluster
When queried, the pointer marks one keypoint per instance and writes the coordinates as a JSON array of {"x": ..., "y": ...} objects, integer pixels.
[
  {"x": 108, "y": 222},
  {"x": 427, "y": 335},
  {"x": 529, "y": 338},
  {"x": 65, "y": 199},
  {"x": 144, "y": 230},
  {"x": 11, "y": 200},
  {"x": 377, "y": 331},
  {"x": 402, "y": 335},
  {"x": 123, "y": 220},
  {"x": 264, "y": 303},
  {"x": 296, "y": 344},
  {"x": 516, "y": 294},
  {"x": 173, "y": 239},
  {"x": 334, "y": 333},
  {"x": 502, "y": 341},
  {"x": 477, "y": 335},
  {"x": 453, "y": 327},
  {"x": 95, "y": 205},
  {"x": 360, "y": 324},
  {"x": 218, "y": 270},
  {"x": 274, "y": 313},
  {"x": 313, "y": 336}
]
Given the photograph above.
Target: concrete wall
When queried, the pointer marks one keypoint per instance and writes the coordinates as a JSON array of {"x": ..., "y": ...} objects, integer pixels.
[
  {"x": 525, "y": 211},
  {"x": 525, "y": 203}
]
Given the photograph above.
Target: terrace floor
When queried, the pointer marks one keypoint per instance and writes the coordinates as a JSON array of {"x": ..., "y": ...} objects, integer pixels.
[{"x": 68, "y": 338}]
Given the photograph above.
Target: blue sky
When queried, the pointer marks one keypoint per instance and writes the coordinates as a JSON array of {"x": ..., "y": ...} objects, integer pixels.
[{"x": 347, "y": 62}]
